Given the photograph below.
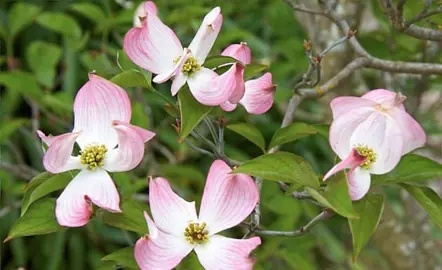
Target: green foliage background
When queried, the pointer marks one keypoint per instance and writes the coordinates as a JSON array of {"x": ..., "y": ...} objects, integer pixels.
[{"x": 47, "y": 49}]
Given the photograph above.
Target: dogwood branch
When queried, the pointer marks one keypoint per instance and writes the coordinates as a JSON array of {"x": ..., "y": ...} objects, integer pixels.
[
  {"x": 397, "y": 20},
  {"x": 324, "y": 215}
]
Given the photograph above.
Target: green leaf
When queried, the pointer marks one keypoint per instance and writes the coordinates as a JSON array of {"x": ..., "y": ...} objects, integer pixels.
[
  {"x": 60, "y": 23},
  {"x": 322, "y": 130},
  {"x": 20, "y": 16},
  {"x": 281, "y": 166},
  {"x": 123, "y": 257},
  {"x": 336, "y": 196},
  {"x": 43, "y": 184},
  {"x": 191, "y": 112},
  {"x": 39, "y": 219},
  {"x": 130, "y": 78},
  {"x": 429, "y": 200},
  {"x": 412, "y": 168},
  {"x": 291, "y": 133},
  {"x": 9, "y": 127},
  {"x": 124, "y": 62},
  {"x": 131, "y": 219},
  {"x": 370, "y": 210},
  {"x": 43, "y": 57},
  {"x": 216, "y": 61},
  {"x": 249, "y": 132},
  {"x": 22, "y": 82},
  {"x": 252, "y": 70},
  {"x": 89, "y": 10}
]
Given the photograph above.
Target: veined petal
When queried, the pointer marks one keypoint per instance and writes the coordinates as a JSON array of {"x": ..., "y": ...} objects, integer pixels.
[
  {"x": 154, "y": 46},
  {"x": 412, "y": 132},
  {"x": 342, "y": 105},
  {"x": 222, "y": 253},
  {"x": 206, "y": 35},
  {"x": 159, "y": 250},
  {"x": 258, "y": 96},
  {"x": 144, "y": 134},
  {"x": 237, "y": 74},
  {"x": 142, "y": 10},
  {"x": 358, "y": 180},
  {"x": 162, "y": 77},
  {"x": 240, "y": 52},
  {"x": 58, "y": 158},
  {"x": 170, "y": 212},
  {"x": 342, "y": 128},
  {"x": 228, "y": 198},
  {"x": 74, "y": 207},
  {"x": 130, "y": 150},
  {"x": 210, "y": 89},
  {"x": 383, "y": 96},
  {"x": 351, "y": 162},
  {"x": 178, "y": 82},
  {"x": 96, "y": 105},
  {"x": 383, "y": 135},
  {"x": 48, "y": 140},
  {"x": 227, "y": 106}
]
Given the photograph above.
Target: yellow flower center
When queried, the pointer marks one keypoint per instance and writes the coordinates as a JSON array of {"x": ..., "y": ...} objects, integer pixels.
[
  {"x": 196, "y": 233},
  {"x": 93, "y": 156},
  {"x": 368, "y": 153},
  {"x": 190, "y": 66}
]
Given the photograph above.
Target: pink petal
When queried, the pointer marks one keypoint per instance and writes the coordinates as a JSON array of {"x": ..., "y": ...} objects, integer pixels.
[
  {"x": 210, "y": 89},
  {"x": 159, "y": 250},
  {"x": 342, "y": 129},
  {"x": 343, "y": 105},
  {"x": 58, "y": 158},
  {"x": 154, "y": 46},
  {"x": 383, "y": 135},
  {"x": 412, "y": 132},
  {"x": 178, "y": 82},
  {"x": 142, "y": 10},
  {"x": 206, "y": 35},
  {"x": 351, "y": 162},
  {"x": 240, "y": 52},
  {"x": 382, "y": 96},
  {"x": 96, "y": 105},
  {"x": 358, "y": 183},
  {"x": 258, "y": 96},
  {"x": 48, "y": 140},
  {"x": 162, "y": 77},
  {"x": 222, "y": 253},
  {"x": 144, "y": 134},
  {"x": 228, "y": 198},
  {"x": 74, "y": 207},
  {"x": 170, "y": 211},
  {"x": 227, "y": 106},
  {"x": 237, "y": 74},
  {"x": 130, "y": 150}
]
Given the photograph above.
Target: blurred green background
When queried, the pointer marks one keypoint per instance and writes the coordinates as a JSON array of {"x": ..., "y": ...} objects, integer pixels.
[{"x": 47, "y": 49}]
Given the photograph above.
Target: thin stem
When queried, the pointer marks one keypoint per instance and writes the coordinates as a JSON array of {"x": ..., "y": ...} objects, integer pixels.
[
  {"x": 324, "y": 215},
  {"x": 211, "y": 129},
  {"x": 221, "y": 139},
  {"x": 196, "y": 148}
]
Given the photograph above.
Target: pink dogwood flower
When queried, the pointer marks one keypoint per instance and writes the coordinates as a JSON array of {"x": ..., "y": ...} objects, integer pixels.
[
  {"x": 141, "y": 12},
  {"x": 156, "y": 48},
  {"x": 108, "y": 142},
  {"x": 177, "y": 229},
  {"x": 256, "y": 96},
  {"x": 370, "y": 134}
]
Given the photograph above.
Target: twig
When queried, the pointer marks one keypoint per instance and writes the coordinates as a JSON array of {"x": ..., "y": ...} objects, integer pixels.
[
  {"x": 211, "y": 129},
  {"x": 196, "y": 148},
  {"x": 164, "y": 151},
  {"x": 324, "y": 215},
  {"x": 20, "y": 170}
]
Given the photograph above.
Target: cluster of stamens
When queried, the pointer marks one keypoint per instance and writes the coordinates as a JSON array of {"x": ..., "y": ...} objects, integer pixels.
[
  {"x": 190, "y": 66},
  {"x": 196, "y": 233},
  {"x": 93, "y": 156},
  {"x": 368, "y": 153}
]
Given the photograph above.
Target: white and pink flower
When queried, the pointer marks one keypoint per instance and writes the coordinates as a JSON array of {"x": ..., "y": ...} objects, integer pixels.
[
  {"x": 177, "y": 229},
  {"x": 156, "y": 48},
  {"x": 256, "y": 96},
  {"x": 108, "y": 142},
  {"x": 370, "y": 134}
]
